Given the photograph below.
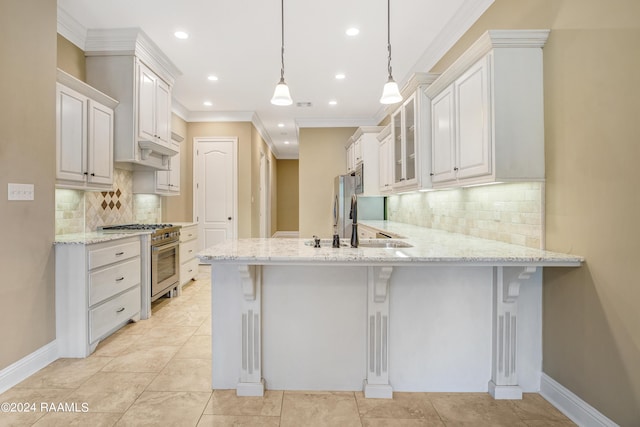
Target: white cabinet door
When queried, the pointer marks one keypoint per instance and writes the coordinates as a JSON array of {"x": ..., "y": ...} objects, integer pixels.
[
  {"x": 71, "y": 134},
  {"x": 163, "y": 112},
  {"x": 386, "y": 164},
  {"x": 146, "y": 103},
  {"x": 357, "y": 151},
  {"x": 174, "y": 173},
  {"x": 396, "y": 133},
  {"x": 100, "y": 144},
  {"x": 154, "y": 107},
  {"x": 473, "y": 130},
  {"x": 443, "y": 137}
]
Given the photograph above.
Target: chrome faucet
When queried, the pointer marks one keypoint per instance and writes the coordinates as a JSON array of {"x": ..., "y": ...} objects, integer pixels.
[{"x": 354, "y": 217}]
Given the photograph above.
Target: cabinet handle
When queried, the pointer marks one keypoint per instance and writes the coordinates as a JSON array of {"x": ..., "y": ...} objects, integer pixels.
[
  {"x": 229, "y": 218},
  {"x": 190, "y": 270},
  {"x": 190, "y": 250},
  {"x": 120, "y": 310},
  {"x": 431, "y": 174},
  {"x": 93, "y": 174},
  {"x": 119, "y": 253},
  {"x": 120, "y": 279},
  {"x": 86, "y": 173},
  {"x": 455, "y": 169}
]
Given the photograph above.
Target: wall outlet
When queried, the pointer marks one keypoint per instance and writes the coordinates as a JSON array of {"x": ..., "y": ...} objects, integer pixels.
[{"x": 20, "y": 191}]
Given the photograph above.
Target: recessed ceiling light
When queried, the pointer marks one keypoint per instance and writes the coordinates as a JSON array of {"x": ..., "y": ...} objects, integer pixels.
[
  {"x": 207, "y": 103},
  {"x": 333, "y": 102},
  {"x": 286, "y": 143},
  {"x": 280, "y": 125},
  {"x": 181, "y": 35},
  {"x": 352, "y": 31},
  {"x": 340, "y": 76},
  {"x": 212, "y": 78}
]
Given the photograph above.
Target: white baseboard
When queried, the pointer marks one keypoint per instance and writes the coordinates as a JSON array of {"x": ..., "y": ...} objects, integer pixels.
[
  {"x": 579, "y": 411},
  {"x": 27, "y": 366},
  {"x": 287, "y": 234}
]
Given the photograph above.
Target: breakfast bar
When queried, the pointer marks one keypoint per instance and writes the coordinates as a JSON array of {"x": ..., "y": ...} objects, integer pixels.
[{"x": 436, "y": 311}]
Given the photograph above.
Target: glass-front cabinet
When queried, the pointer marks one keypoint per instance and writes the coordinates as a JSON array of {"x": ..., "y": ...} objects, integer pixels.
[{"x": 405, "y": 144}]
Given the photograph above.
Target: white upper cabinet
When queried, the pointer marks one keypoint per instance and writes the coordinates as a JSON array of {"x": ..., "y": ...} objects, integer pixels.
[
  {"x": 411, "y": 136},
  {"x": 385, "y": 160},
  {"x": 362, "y": 152},
  {"x": 487, "y": 112},
  {"x": 84, "y": 135},
  {"x": 154, "y": 107},
  {"x": 164, "y": 183},
  {"x": 126, "y": 64}
]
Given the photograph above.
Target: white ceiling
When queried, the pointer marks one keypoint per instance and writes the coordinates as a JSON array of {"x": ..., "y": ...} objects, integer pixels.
[{"x": 239, "y": 41}]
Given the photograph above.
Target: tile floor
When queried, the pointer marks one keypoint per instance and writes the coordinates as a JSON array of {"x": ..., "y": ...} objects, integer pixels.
[{"x": 157, "y": 373}]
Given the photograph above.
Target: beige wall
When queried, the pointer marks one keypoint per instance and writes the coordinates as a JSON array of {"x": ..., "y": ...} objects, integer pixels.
[
  {"x": 27, "y": 155},
  {"x": 180, "y": 208},
  {"x": 322, "y": 157},
  {"x": 592, "y": 99},
  {"x": 288, "y": 195},
  {"x": 71, "y": 59}
]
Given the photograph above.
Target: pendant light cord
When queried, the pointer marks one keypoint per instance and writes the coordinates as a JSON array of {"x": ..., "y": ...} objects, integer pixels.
[
  {"x": 388, "y": 36},
  {"x": 282, "y": 49}
]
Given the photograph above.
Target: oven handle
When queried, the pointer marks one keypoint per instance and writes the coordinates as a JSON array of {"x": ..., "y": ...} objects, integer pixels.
[{"x": 164, "y": 247}]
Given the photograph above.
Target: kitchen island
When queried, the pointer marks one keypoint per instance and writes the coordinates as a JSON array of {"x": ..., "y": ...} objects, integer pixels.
[{"x": 448, "y": 313}]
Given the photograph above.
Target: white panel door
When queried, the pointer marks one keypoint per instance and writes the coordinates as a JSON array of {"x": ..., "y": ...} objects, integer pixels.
[
  {"x": 216, "y": 190},
  {"x": 146, "y": 103}
]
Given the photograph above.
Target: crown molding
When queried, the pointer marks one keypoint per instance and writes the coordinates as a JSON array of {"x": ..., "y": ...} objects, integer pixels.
[
  {"x": 457, "y": 26},
  {"x": 262, "y": 131},
  {"x": 335, "y": 122},
  {"x": 385, "y": 132},
  {"x": 79, "y": 86},
  {"x": 219, "y": 116},
  {"x": 71, "y": 29},
  {"x": 490, "y": 40},
  {"x": 131, "y": 41}
]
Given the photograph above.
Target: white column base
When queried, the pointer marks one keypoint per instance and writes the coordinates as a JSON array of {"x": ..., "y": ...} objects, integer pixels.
[
  {"x": 250, "y": 389},
  {"x": 505, "y": 392},
  {"x": 377, "y": 391}
]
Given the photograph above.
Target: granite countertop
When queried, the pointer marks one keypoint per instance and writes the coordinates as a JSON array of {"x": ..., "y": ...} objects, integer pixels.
[
  {"x": 429, "y": 247},
  {"x": 94, "y": 237}
]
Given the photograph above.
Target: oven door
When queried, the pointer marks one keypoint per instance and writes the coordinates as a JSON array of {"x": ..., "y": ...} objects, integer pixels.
[{"x": 165, "y": 268}]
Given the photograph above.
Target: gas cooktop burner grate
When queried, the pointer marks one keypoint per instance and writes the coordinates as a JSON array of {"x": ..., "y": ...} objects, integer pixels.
[{"x": 137, "y": 227}]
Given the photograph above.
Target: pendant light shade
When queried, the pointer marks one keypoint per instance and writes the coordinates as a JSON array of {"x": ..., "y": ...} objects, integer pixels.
[
  {"x": 281, "y": 95},
  {"x": 390, "y": 92}
]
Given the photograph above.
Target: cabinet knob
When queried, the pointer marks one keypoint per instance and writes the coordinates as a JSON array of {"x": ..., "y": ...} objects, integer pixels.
[
  {"x": 93, "y": 174},
  {"x": 455, "y": 169},
  {"x": 431, "y": 174},
  {"x": 229, "y": 218},
  {"x": 86, "y": 173}
]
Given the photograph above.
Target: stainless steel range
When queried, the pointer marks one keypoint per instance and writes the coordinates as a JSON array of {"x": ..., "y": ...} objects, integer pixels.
[{"x": 165, "y": 254}]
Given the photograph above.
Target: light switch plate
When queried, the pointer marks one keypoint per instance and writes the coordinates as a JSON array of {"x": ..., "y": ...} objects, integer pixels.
[{"x": 20, "y": 191}]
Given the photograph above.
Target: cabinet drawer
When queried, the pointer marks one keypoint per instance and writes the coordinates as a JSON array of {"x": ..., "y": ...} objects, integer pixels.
[
  {"x": 188, "y": 233},
  {"x": 188, "y": 250},
  {"x": 107, "y": 316},
  {"x": 112, "y": 280},
  {"x": 113, "y": 253},
  {"x": 188, "y": 270}
]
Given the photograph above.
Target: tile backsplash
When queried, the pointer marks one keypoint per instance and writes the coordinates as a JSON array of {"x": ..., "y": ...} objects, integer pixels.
[
  {"x": 80, "y": 211},
  {"x": 512, "y": 213}
]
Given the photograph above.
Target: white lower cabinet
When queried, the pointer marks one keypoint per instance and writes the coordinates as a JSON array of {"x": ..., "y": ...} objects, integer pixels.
[
  {"x": 188, "y": 249},
  {"x": 97, "y": 292}
]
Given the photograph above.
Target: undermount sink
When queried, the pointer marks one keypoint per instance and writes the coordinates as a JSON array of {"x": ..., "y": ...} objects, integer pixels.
[
  {"x": 368, "y": 243},
  {"x": 383, "y": 243}
]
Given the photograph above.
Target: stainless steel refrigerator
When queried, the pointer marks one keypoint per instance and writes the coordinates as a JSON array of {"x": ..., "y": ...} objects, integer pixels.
[{"x": 368, "y": 207}]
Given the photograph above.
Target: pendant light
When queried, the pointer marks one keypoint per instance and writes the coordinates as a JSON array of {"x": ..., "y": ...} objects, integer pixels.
[
  {"x": 390, "y": 92},
  {"x": 281, "y": 95}
]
